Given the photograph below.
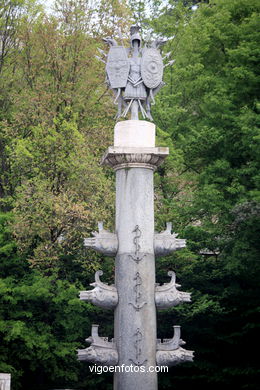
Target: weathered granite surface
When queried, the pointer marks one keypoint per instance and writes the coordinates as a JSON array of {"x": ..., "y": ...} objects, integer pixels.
[
  {"x": 135, "y": 314},
  {"x": 5, "y": 381}
]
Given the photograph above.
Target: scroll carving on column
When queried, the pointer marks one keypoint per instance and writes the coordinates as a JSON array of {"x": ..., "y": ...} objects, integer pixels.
[
  {"x": 137, "y": 257},
  {"x": 138, "y": 305},
  {"x": 138, "y": 361}
]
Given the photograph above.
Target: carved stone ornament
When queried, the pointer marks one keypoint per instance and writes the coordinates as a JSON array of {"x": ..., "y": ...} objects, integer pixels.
[
  {"x": 152, "y": 67},
  {"x": 138, "y": 360},
  {"x": 102, "y": 295},
  {"x": 169, "y": 352},
  {"x": 134, "y": 73},
  {"x": 131, "y": 157},
  {"x": 137, "y": 257},
  {"x": 101, "y": 351},
  {"x": 167, "y": 242},
  {"x": 103, "y": 241},
  {"x": 117, "y": 67},
  {"x": 171, "y": 344},
  {"x": 167, "y": 294},
  {"x": 139, "y": 303},
  {"x": 172, "y": 358}
]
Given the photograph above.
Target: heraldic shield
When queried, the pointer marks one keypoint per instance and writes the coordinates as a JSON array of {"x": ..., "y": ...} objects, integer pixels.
[
  {"x": 152, "y": 68},
  {"x": 117, "y": 67}
]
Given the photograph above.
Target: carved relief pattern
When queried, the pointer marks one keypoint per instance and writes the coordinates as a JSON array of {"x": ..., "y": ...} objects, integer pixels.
[
  {"x": 152, "y": 67},
  {"x": 134, "y": 158},
  {"x": 119, "y": 158},
  {"x": 138, "y": 336},
  {"x": 172, "y": 358},
  {"x": 137, "y": 258},
  {"x": 138, "y": 294},
  {"x": 138, "y": 349}
]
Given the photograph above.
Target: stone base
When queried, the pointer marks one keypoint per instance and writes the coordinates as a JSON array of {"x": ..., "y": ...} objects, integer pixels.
[
  {"x": 134, "y": 133},
  {"x": 134, "y": 147},
  {"x": 5, "y": 381}
]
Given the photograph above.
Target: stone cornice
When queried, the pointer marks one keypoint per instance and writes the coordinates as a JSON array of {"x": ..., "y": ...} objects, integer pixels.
[{"x": 122, "y": 157}]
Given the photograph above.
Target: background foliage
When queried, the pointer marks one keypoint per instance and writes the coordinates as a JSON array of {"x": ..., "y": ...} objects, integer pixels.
[{"x": 56, "y": 120}]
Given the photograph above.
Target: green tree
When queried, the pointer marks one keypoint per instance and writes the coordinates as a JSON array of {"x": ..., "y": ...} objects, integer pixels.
[
  {"x": 210, "y": 185},
  {"x": 56, "y": 120},
  {"x": 57, "y": 127}
]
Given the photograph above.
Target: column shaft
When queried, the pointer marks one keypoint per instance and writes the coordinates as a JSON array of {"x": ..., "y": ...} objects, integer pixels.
[{"x": 135, "y": 314}]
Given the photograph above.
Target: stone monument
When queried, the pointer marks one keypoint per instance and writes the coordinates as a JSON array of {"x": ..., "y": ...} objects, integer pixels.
[
  {"x": 5, "y": 381},
  {"x": 135, "y": 76}
]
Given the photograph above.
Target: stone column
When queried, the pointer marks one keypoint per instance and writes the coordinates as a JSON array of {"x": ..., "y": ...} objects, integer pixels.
[
  {"x": 134, "y": 158},
  {"x": 135, "y": 315},
  {"x": 135, "y": 295}
]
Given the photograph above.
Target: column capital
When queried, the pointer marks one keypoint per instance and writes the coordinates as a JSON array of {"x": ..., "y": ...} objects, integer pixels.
[{"x": 134, "y": 157}]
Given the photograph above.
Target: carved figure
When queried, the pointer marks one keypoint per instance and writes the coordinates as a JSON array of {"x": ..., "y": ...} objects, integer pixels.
[
  {"x": 103, "y": 241},
  {"x": 169, "y": 352},
  {"x": 167, "y": 295},
  {"x": 135, "y": 80},
  {"x": 167, "y": 242},
  {"x": 172, "y": 358},
  {"x": 171, "y": 344},
  {"x": 101, "y": 350},
  {"x": 98, "y": 355},
  {"x": 102, "y": 295}
]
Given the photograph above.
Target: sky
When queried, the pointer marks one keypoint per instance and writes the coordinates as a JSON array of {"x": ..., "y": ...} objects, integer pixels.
[{"x": 47, "y": 3}]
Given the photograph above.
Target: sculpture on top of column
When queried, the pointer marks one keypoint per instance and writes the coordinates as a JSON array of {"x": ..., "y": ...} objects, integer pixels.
[{"x": 135, "y": 80}]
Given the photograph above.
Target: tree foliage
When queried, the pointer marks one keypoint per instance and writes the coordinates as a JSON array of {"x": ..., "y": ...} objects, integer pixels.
[{"x": 208, "y": 112}]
